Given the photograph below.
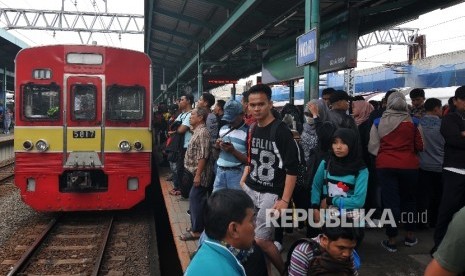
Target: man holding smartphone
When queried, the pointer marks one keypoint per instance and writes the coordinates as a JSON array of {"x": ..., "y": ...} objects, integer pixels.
[{"x": 232, "y": 143}]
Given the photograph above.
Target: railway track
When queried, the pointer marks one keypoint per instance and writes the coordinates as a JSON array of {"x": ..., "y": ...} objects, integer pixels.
[
  {"x": 7, "y": 170},
  {"x": 66, "y": 246}
]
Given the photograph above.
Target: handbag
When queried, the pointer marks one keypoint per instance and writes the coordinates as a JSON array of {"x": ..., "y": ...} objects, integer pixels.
[{"x": 186, "y": 183}]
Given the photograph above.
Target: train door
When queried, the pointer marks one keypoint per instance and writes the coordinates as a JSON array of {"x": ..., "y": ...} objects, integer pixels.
[{"x": 84, "y": 123}]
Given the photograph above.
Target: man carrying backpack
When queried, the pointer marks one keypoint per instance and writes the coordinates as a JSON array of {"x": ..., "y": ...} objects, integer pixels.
[
  {"x": 270, "y": 176},
  {"x": 330, "y": 253}
]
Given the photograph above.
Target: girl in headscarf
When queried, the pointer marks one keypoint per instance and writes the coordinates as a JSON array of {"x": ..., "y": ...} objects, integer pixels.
[
  {"x": 342, "y": 179},
  {"x": 395, "y": 138}
]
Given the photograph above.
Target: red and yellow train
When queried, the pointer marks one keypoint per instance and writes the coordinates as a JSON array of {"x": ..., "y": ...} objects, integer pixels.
[{"x": 83, "y": 134}]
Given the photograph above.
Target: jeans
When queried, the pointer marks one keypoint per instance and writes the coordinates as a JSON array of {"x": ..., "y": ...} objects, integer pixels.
[
  {"x": 398, "y": 193},
  {"x": 197, "y": 202},
  {"x": 179, "y": 169},
  {"x": 228, "y": 178}
]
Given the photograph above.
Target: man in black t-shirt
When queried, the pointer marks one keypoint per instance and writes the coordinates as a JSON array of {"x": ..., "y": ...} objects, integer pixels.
[{"x": 270, "y": 176}]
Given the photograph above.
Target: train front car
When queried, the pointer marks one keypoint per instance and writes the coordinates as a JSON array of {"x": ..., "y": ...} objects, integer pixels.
[{"x": 82, "y": 134}]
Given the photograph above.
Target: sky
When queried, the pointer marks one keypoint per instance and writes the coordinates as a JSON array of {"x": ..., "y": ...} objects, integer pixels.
[
  {"x": 444, "y": 33},
  {"x": 443, "y": 29},
  {"x": 39, "y": 37}
]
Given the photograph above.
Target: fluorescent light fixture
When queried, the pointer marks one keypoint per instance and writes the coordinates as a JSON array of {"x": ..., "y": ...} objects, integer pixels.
[
  {"x": 259, "y": 34},
  {"x": 285, "y": 19},
  {"x": 224, "y": 58},
  {"x": 237, "y": 50}
]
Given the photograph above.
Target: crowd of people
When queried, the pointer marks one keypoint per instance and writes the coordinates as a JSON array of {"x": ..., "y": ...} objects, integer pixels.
[
  {"x": 236, "y": 161},
  {"x": 6, "y": 120}
]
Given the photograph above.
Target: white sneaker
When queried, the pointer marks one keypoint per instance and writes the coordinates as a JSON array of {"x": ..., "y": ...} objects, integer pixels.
[{"x": 279, "y": 246}]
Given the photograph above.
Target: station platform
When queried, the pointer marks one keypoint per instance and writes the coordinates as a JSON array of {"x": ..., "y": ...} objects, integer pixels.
[
  {"x": 407, "y": 261},
  {"x": 6, "y": 137}
]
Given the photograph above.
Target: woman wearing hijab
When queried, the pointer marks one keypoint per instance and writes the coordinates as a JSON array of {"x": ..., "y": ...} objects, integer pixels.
[
  {"x": 361, "y": 111},
  {"x": 395, "y": 138},
  {"x": 320, "y": 114},
  {"x": 341, "y": 180}
]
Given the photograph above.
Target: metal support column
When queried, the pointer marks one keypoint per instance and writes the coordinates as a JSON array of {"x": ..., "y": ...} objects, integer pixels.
[
  {"x": 199, "y": 74},
  {"x": 291, "y": 92},
  {"x": 233, "y": 92},
  {"x": 349, "y": 81},
  {"x": 177, "y": 86},
  {"x": 311, "y": 72},
  {"x": 4, "y": 92}
]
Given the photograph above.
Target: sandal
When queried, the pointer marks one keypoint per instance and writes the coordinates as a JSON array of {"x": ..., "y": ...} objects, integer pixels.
[
  {"x": 175, "y": 192},
  {"x": 188, "y": 236}
]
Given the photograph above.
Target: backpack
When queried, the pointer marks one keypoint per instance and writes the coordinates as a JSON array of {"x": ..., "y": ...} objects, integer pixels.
[
  {"x": 175, "y": 143},
  {"x": 325, "y": 135},
  {"x": 302, "y": 167},
  {"x": 315, "y": 247},
  {"x": 295, "y": 116},
  {"x": 158, "y": 120}
]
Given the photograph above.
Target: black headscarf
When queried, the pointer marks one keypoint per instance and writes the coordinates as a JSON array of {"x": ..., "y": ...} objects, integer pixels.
[{"x": 353, "y": 162}]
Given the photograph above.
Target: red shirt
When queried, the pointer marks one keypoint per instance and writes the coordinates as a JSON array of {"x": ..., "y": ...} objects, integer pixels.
[{"x": 398, "y": 149}]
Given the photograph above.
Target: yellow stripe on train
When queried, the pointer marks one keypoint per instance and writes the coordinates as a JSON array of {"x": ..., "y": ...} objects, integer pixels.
[
  {"x": 82, "y": 138},
  {"x": 113, "y": 136},
  {"x": 52, "y": 135}
]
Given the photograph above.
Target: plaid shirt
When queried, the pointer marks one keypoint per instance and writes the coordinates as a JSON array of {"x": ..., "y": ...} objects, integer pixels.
[{"x": 198, "y": 148}]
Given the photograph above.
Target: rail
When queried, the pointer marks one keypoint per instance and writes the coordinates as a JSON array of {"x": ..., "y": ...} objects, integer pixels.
[{"x": 55, "y": 228}]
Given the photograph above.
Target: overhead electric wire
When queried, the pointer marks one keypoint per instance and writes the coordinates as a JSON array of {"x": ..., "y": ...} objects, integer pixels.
[{"x": 101, "y": 22}]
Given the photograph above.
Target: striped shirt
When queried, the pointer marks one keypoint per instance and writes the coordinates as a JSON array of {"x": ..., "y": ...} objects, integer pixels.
[
  {"x": 238, "y": 138},
  {"x": 301, "y": 257}
]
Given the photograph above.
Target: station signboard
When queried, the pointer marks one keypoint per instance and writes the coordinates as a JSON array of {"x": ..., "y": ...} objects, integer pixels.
[
  {"x": 306, "y": 48},
  {"x": 336, "y": 50}
]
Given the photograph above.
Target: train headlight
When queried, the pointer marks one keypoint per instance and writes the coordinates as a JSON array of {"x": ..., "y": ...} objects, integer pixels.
[
  {"x": 42, "y": 145},
  {"x": 138, "y": 146},
  {"x": 28, "y": 145},
  {"x": 124, "y": 146},
  {"x": 133, "y": 184}
]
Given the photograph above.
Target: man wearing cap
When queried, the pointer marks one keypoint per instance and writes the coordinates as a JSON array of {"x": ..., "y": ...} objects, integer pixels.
[
  {"x": 232, "y": 143},
  {"x": 339, "y": 105},
  {"x": 338, "y": 114},
  {"x": 453, "y": 168}
]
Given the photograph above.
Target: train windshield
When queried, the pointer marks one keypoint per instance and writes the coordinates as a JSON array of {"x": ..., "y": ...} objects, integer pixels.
[
  {"x": 84, "y": 102},
  {"x": 41, "y": 102},
  {"x": 124, "y": 103}
]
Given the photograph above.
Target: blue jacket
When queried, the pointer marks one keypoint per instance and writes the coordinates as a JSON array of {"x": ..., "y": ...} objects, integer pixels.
[
  {"x": 355, "y": 196},
  {"x": 214, "y": 259}
]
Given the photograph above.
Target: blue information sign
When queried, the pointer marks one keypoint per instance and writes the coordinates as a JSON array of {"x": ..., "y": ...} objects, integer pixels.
[{"x": 306, "y": 48}]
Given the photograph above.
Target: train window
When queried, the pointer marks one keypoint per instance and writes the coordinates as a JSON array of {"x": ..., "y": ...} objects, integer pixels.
[
  {"x": 41, "y": 102},
  {"x": 83, "y": 101},
  {"x": 125, "y": 103}
]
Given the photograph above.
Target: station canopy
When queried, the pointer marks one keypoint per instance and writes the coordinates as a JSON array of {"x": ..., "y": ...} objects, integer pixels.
[{"x": 232, "y": 36}]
